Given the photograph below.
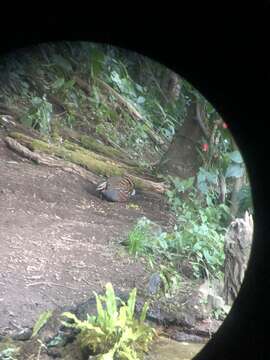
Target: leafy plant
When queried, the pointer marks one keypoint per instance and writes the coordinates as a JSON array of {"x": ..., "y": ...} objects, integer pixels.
[
  {"x": 220, "y": 313},
  {"x": 198, "y": 237},
  {"x": 43, "y": 318},
  {"x": 9, "y": 354},
  {"x": 139, "y": 237},
  {"x": 39, "y": 115},
  {"x": 171, "y": 279},
  {"x": 113, "y": 333},
  {"x": 200, "y": 229},
  {"x": 236, "y": 167}
]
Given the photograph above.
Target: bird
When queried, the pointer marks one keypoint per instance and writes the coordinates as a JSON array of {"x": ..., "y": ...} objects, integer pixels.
[{"x": 117, "y": 188}]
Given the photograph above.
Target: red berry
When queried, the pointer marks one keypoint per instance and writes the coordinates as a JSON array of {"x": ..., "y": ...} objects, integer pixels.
[{"x": 205, "y": 147}]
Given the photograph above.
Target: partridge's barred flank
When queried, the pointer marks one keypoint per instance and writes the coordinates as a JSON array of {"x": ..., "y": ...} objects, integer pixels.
[{"x": 117, "y": 188}]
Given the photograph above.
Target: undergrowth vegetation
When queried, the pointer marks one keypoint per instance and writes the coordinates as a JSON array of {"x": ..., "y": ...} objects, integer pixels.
[
  {"x": 198, "y": 234},
  {"x": 114, "y": 333},
  {"x": 90, "y": 87}
]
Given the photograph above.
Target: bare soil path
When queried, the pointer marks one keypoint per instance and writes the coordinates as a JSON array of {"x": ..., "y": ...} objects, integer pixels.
[{"x": 59, "y": 241}]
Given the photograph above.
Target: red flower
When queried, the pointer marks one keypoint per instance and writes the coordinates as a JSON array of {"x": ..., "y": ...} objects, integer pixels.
[
  {"x": 225, "y": 125},
  {"x": 205, "y": 147}
]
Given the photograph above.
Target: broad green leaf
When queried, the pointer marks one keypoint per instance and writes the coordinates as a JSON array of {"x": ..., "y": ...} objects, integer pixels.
[
  {"x": 202, "y": 186},
  {"x": 128, "y": 354},
  {"x": 111, "y": 301},
  {"x": 57, "y": 340},
  {"x": 9, "y": 353},
  {"x": 122, "y": 319},
  {"x": 212, "y": 177},
  {"x": 27, "y": 120},
  {"x": 100, "y": 311},
  {"x": 36, "y": 101},
  {"x": 236, "y": 157},
  {"x": 97, "y": 60},
  {"x": 207, "y": 256},
  {"x": 143, "y": 313},
  {"x": 58, "y": 83},
  {"x": 108, "y": 356},
  {"x": 70, "y": 316},
  {"x": 140, "y": 100},
  {"x": 235, "y": 170},
  {"x": 43, "y": 318},
  {"x": 131, "y": 303},
  {"x": 139, "y": 87}
]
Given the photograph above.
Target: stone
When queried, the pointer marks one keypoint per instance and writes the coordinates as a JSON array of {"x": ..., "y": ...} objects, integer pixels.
[{"x": 23, "y": 335}]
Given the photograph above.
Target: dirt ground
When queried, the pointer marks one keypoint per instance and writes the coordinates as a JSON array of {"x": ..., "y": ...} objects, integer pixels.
[{"x": 59, "y": 241}]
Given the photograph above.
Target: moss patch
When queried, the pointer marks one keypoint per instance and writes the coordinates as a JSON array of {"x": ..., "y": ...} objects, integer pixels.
[{"x": 75, "y": 154}]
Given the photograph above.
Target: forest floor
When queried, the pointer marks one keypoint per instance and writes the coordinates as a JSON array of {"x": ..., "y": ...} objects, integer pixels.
[{"x": 60, "y": 241}]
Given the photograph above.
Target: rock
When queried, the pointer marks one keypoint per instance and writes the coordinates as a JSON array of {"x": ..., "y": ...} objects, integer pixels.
[
  {"x": 54, "y": 353},
  {"x": 186, "y": 320},
  {"x": 214, "y": 287},
  {"x": 206, "y": 328},
  {"x": 154, "y": 284},
  {"x": 211, "y": 295},
  {"x": 185, "y": 267},
  {"x": 86, "y": 307},
  {"x": 24, "y": 334},
  {"x": 182, "y": 336},
  {"x": 215, "y": 302},
  {"x": 53, "y": 334}
]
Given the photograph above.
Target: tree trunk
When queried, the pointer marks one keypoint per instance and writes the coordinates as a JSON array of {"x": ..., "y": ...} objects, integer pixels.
[
  {"x": 234, "y": 200},
  {"x": 234, "y": 207},
  {"x": 173, "y": 86},
  {"x": 182, "y": 158},
  {"x": 237, "y": 250},
  {"x": 170, "y": 86}
]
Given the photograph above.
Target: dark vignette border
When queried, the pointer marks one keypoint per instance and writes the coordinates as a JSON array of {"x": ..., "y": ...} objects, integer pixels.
[{"x": 230, "y": 69}]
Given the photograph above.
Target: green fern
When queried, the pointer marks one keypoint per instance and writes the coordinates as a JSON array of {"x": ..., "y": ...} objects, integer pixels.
[
  {"x": 43, "y": 318},
  {"x": 113, "y": 333}
]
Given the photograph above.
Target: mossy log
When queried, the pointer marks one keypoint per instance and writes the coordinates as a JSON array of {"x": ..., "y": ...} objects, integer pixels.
[
  {"x": 78, "y": 160},
  {"x": 47, "y": 160},
  {"x": 89, "y": 142},
  {"x": 59, "y": 131}
]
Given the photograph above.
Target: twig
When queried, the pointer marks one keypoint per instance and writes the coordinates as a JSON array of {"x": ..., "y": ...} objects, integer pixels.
[
  {"x": 41, "y": 346},
  {"x": 52, "y": 284},
  {"x": 120, "y": 98}
]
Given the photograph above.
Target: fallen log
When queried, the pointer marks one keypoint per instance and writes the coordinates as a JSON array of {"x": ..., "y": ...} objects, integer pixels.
[
  {"x": 73, "y": 158},
  {"x": 47, "y": 160}
]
